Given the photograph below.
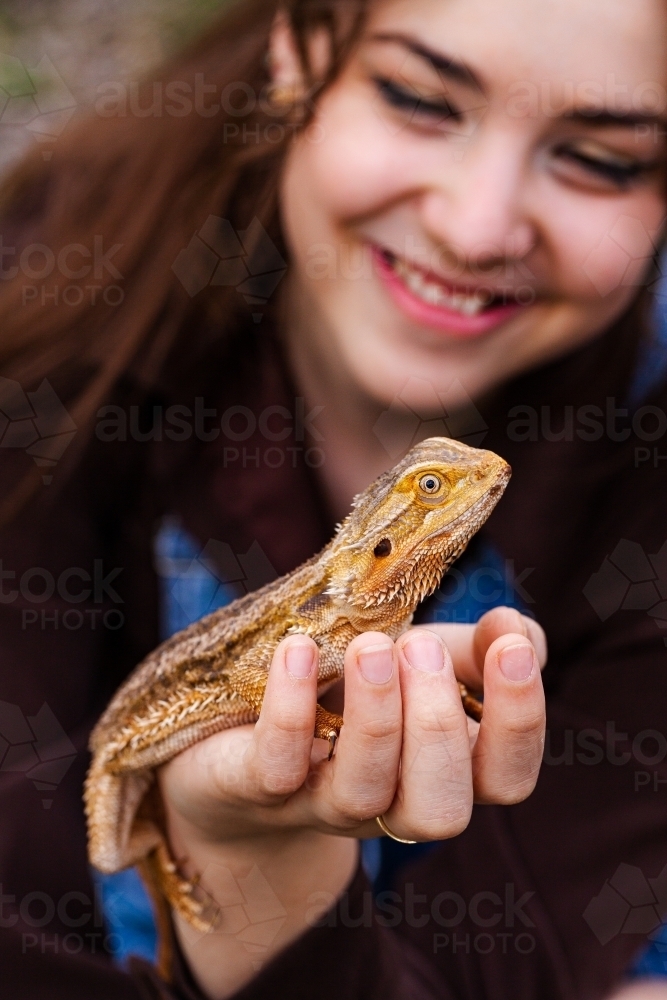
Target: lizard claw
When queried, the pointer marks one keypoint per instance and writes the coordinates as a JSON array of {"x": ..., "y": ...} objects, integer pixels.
[
  {"x": 333, "y": 737},
  {"x": 327, "y": 727}
]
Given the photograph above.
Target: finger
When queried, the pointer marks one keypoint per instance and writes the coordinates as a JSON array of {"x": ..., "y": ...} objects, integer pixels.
[
  {"x": 460, "y": 640},
  {"x": 468, "y": 643},
  {"x": 278, "y": 757},
  {"x": 538, "y": 638},
  {"x": 501, "y": 621},
  {"x": 434, "y": 798},
  {"x": 361, "y": 779},
  {"x": 508, "y": 751}
]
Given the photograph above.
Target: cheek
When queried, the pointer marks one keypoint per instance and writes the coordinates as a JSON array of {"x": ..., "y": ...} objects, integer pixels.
[
  {"x": 604, "y": 249},
  {"x": 355, "y": 165}
]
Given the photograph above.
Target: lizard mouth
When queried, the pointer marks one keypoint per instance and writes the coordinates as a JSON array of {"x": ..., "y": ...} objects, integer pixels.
[{"x": 475, "y": 515}]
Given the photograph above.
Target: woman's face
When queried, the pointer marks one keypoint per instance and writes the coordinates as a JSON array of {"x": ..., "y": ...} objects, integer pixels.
[{"x": 482, "y": 189}]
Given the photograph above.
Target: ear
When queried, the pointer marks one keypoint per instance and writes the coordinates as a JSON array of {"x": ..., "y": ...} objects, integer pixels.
[
  {"x": 284, "y": 60},
  {"x": 287, "y": 71}
]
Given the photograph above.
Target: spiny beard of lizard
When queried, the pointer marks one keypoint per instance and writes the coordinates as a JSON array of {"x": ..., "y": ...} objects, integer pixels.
[{"x": 406, "y": 530}]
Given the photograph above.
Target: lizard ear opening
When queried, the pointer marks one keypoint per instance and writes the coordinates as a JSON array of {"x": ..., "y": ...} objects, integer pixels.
[{"x": 383, "y": 548}]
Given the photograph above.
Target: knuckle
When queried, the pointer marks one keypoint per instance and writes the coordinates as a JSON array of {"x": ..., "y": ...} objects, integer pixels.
[
  {"x": 510, "y": 777},
  {"x": 526, "y": 726},
  {"x": 279, "y": 783},
  {"x": 275, "y": 769},
  {"x": 458, "y": 818},
  {"x": 435, "y": 721},
  {"x": 455, "y": 828},
  {"x": 385, "y": 729},
  {"x": 352, "y": 809},
  {"x": 284, "y": 738},
  {"x": 443, "y": 827},
  {"x": 513, "y": 792}
]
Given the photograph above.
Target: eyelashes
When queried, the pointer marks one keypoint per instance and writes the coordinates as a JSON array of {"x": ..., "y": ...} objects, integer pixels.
[
  {"x": 411, "y": 103},
  {"x": 620, "y": 174}
]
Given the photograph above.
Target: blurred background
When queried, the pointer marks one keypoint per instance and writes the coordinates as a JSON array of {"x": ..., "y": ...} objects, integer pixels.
[{"x": 57, "y": 56}]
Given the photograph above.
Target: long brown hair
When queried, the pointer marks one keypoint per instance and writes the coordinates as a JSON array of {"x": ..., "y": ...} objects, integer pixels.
[
  {"x": 142, "y": 186},
  {"x": 139, "y": 188}
]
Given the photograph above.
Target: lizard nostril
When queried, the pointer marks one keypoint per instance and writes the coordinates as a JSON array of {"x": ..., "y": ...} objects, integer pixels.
[{"x": 383, "y": 547}]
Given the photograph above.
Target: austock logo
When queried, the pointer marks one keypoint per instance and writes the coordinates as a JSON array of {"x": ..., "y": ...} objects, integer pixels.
[
  {"x": 245, "y": 259},
  {"x": 36, "y": 98},
  {"x": 486, "y": 922},
  {"x": 405, "y": 422},
  {"x": 248, "y": 907},
  {"x": 243, "y": 572},
  {"x": 36, "y": 746},
  {"x": 628, "y": 903},
  {"x": 629, "y": 579},
  {"x": 413, "y": 103},
  {"x": 197, "y": 580},
  {"x": 626, "y": 245},
  {"x": 36, "y": 422}
]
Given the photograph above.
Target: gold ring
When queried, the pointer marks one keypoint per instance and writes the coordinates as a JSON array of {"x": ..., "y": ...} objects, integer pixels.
[{"x": 385, "y": 829}]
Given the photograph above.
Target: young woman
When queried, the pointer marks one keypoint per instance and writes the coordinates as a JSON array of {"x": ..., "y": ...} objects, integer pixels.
[{"x": 231, "y": 301}]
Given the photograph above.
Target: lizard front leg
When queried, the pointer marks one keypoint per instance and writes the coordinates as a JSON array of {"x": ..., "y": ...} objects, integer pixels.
[
  {"x": 248, "y": 679},
  {"x": 472, "y": 706},
  {"x": 327, "y": 727}
]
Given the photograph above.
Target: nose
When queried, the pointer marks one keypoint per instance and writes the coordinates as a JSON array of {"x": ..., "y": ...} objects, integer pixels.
[{"x": 477, "y": 209}]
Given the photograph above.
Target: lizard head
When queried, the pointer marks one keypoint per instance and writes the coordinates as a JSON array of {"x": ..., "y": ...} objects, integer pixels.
[{"x": 412, "y": 523}]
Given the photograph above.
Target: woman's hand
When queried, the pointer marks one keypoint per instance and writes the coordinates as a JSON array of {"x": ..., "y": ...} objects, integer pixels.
[{"x": 264, "y": 798}]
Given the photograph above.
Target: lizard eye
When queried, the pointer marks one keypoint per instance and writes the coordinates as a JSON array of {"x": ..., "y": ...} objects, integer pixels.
[
  {"x": 429, "y": 483},
  {"x": 383, "y": 547}
]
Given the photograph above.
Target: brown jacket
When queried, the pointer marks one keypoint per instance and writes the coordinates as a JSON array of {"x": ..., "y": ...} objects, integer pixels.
[{"x": 551, "y": 898}]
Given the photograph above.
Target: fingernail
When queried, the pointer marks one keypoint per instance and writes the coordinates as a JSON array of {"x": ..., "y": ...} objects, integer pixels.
[
  {"x": 376, "y": 663},
  {"x": 517, "y": 662},
  {"x": 424, "y": 652},
  {"x": 299, "y": 659}
]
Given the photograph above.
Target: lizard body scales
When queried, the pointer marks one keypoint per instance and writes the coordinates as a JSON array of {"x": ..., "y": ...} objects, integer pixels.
[{"x": 403, "y": 533}]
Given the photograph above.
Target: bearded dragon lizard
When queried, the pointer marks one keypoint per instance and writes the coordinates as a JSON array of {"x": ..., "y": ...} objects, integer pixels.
[{"x": 391, "y": 552}]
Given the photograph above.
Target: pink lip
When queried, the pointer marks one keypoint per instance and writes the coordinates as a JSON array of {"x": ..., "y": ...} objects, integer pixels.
[{"x": 440, "y": 317}]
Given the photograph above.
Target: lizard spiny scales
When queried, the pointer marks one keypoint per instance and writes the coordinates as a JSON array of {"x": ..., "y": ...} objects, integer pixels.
[{"x": 403, "y": 533}]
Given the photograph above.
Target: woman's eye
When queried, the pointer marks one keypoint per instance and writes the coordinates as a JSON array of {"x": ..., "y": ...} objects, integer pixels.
[
  {"x": 619, "y": 172},
  {"x": 412, "y": 103}
]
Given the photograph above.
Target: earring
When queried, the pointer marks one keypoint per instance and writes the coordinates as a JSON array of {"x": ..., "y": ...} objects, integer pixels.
[{"x": 282, "y": 95}]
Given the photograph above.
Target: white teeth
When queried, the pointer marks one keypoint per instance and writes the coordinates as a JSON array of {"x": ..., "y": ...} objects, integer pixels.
[
  {"x": 470, "y": 307},
  {"x": 433, "y": 293}
]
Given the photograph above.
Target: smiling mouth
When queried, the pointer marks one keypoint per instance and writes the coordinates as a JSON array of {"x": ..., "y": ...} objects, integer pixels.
[{"x": 434, "y": 291}]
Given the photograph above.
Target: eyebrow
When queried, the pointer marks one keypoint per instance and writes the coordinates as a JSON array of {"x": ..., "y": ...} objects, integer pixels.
[
  {"x": 452, "y": 68},
  {"x": 462, "y": 73},
  {"x": 605, "y": 117}
]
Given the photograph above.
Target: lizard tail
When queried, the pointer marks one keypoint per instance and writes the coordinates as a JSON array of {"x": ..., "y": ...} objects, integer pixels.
[
  {"x": 169, "y": 890},
  {"x": 117, "y": 839}
]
